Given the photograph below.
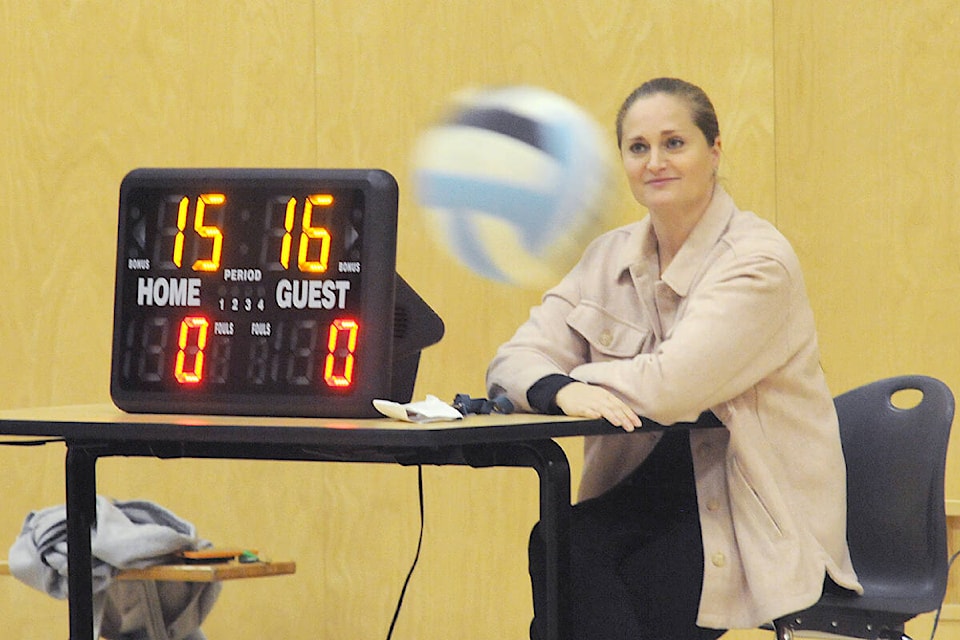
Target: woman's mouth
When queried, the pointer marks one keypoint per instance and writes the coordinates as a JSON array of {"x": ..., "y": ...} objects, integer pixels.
[{"x": 657, "y": 182}]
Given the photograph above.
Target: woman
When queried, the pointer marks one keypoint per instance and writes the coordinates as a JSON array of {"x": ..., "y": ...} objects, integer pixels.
[{"x": 697, "y": 307}]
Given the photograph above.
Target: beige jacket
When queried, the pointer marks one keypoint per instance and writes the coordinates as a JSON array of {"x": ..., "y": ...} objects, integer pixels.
[{"x": 727, "y": 328}]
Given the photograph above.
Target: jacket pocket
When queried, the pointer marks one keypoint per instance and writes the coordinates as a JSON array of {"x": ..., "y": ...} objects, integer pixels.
[
  {"x": 752, "y": 502},
  {"x": 609, "y": 337}
]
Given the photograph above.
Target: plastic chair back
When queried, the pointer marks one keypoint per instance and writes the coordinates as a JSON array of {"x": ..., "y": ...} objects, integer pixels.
[
  {"x": 896, "y": 460},
  {"x": 896, "y": 516}
]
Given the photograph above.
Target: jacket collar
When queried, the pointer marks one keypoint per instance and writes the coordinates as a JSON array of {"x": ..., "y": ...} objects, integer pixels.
[{"x": 686, "y": 264}]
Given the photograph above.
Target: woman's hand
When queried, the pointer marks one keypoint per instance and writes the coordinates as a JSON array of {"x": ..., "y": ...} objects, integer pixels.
[{"x": 589, "y": 401}]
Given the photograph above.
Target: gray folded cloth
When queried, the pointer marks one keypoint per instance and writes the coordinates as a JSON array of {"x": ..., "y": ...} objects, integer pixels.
[{"x": 127, "y": 535}]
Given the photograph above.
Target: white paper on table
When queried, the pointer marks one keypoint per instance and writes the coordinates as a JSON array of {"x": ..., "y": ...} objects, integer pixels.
[{"x": 433, "y": 409}]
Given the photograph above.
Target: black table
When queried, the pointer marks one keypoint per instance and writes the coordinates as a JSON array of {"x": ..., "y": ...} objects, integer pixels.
[{"x": 518, "y": 440}]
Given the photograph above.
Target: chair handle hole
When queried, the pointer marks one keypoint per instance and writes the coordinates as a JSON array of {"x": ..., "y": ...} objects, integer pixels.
[{"x": 906, "y": 398}]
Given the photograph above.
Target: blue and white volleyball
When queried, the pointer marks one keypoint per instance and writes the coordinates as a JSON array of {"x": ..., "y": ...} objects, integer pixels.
[{"x": 513, "y": 180}]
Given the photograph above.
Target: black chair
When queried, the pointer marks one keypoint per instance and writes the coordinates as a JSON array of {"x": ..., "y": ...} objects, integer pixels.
[{"x": 896, "y": 520}]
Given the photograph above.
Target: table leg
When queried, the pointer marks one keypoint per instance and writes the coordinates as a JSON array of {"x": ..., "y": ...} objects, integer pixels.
[
  {"x": 81, "y": 482},
  {"x": 550, "y": 462}
]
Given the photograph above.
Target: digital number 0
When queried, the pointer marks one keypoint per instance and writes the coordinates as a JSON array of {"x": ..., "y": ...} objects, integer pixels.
[
  {"x": 341, "y": 345},
  {"x": 191, "y": 342}
]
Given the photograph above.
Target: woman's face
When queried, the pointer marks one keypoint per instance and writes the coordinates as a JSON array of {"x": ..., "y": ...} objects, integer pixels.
[{"x": 667, "y": 159}]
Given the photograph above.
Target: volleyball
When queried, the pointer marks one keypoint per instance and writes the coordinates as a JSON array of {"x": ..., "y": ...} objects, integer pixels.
[{"x": 512, "y": 181}]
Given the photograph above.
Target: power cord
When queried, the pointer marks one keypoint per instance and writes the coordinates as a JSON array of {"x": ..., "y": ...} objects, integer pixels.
[
  {"x": 936, "y": 619},
  {"x": 416, "y": 558}
]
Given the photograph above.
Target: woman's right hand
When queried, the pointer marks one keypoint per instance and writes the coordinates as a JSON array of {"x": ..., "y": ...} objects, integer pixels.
[{"x": 589, "y": 401}]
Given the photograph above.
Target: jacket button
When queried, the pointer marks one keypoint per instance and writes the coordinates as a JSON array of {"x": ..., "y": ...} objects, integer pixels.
[
  {"x": 713, "y": 505},
  {"x": 719, "y": 559},
  {"x": 606, "y": 338}
]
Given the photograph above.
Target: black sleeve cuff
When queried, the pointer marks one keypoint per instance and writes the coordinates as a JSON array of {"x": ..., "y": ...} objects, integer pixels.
[{"x": 542, "y": 395}]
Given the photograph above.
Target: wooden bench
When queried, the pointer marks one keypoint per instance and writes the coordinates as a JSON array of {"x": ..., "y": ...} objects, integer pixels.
[
  {"x": 213, "y": 572},
  {"x": 207, "y": 572}
]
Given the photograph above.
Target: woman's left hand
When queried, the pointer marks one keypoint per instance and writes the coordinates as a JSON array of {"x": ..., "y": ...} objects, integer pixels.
[{"x": 590, "y": 401}]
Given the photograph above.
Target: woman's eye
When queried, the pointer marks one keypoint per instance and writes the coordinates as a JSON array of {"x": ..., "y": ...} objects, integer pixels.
[
  {"x": 674, "y": 143},
  {"x": 638, "y": 147}
]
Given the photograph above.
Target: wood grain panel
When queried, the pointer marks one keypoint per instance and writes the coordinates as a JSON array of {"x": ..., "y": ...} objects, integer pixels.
[
  {"x": 867, "y": 153},
  {"x": 952, "y": 599},
  {"x": 867, "y": 150}
]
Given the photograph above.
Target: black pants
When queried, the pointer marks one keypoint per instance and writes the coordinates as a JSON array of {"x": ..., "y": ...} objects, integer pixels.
[{"x": 636, "y": 558}]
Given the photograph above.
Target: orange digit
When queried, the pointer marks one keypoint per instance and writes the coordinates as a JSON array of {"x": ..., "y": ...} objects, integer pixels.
[
  {"x": 335, "y": 346},
  {"x": 212, "y": 233},
  {"x": 182, "y": 211},
  {"x": 191, "y": 325},
  {"x": 311, "y": 232},
  {"x": 288, "y": 228}
]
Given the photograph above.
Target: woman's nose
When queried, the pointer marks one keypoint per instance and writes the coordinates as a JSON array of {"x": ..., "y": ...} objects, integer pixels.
[{"x": 656, "y": 160}]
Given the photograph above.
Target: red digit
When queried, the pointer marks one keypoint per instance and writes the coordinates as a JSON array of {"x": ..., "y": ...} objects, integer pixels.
[
  {"x": 341, "y": 345},
  {"x": 192, "y": 341}
]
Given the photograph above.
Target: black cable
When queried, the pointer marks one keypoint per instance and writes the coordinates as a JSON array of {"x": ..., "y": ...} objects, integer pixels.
[
  {"x": 416, "y": 558},
  {"x": 936, "y": 619}
]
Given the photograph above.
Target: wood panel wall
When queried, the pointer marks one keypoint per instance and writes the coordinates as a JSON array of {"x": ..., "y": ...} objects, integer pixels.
[{"x": 837, "y": 126}]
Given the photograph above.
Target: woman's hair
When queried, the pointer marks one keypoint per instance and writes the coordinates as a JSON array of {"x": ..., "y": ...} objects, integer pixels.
[{"x": 701, "y": 109}]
